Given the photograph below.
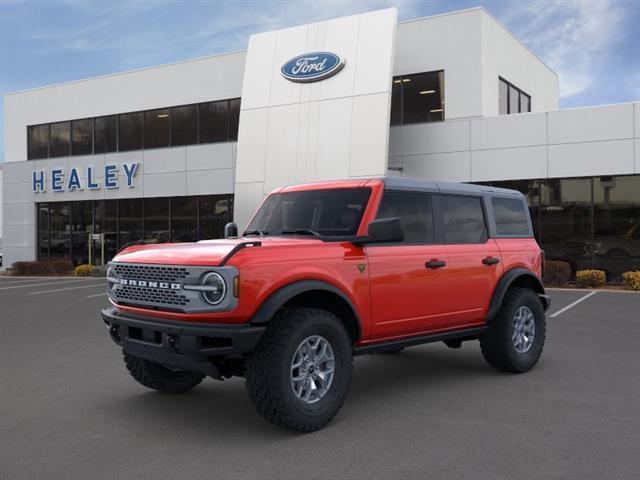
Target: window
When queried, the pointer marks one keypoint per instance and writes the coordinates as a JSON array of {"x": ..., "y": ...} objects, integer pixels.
[
  {"x": 184, "y": 219},
  {"x": 463, "y": 219},
  {"x": 156, "y": 128},
  {"x": 511, "y": 99},
  {"x": 184, "y": 125},
  {"x": 234, "y": 118},
  {"x": 215, "y": 212},
  {"x": 331, "y": 212},
  {"x": 214, "y": 121},
  {"x": 130, "y": 131},
  {"x": 60, "y": 139},
  {"x": 503, "y": 97},
  {"x": 156, "y": 220},
  {"x": 510, "y": 216},
  {"x": 417, "y": 98},
  {"x": 105, "y": 134},
  {"x": 416, "y": 213},
  {"x": 38, "y": 142},
  {"x": 82, "y": 137},
  {"x": 130, "y": 221}
]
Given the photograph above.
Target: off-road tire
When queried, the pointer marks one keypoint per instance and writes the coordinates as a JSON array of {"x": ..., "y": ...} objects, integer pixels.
[
  {"x": 156, "y": 377},
  {"x": 496, "y": 344},
  {"x": 268, "y": 381}
]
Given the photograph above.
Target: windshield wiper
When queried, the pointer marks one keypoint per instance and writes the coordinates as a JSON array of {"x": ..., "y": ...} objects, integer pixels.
[
  {"x": 301, "y": 231},
  {"x": 260, "y": 233}
]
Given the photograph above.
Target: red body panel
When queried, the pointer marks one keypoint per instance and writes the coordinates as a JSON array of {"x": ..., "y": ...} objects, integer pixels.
[{"x": 395, "y": 295}]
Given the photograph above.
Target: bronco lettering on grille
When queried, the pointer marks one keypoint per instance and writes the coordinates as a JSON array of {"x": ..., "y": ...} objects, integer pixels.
[{"x": 150, "y": 284}]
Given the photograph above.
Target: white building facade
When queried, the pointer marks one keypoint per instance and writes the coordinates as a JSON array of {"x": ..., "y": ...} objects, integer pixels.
[{"x": 172, "y": 153}]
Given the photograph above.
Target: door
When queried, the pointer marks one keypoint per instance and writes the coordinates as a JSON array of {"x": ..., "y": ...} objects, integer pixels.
[
  {"x": 474, "y": 259},
  {"x": 409, "y": 280}
]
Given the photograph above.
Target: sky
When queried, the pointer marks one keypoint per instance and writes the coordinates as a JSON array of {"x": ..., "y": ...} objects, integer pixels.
[{"x": 593, "y": 45}]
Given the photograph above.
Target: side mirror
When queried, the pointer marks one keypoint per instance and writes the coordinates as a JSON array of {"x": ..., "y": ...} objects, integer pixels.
[
  {"x": 383, "y": 230},
  {"x": 230, "y": 230}
]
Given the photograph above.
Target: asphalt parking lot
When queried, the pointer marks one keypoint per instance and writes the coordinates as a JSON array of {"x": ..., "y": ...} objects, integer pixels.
[{"x": 69, "y": 410}]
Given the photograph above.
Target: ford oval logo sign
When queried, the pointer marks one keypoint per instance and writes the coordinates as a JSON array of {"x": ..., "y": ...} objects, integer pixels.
[{"x": 311, "y": 67}]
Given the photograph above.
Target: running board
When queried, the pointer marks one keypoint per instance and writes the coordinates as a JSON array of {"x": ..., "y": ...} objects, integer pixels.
[{"x": 469, "y": 333}]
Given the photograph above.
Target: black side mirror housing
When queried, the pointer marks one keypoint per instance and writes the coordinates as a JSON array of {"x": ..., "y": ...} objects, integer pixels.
[
  {"x": 230, "y": 230},
  {"x": 383, "y": 230}
]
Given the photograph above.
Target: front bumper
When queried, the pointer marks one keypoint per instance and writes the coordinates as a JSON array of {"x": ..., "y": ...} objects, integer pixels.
[{"x": 180, "y": 344}]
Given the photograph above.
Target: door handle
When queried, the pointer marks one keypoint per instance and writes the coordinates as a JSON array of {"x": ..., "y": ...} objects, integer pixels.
[
  {"x": 433, "y": 264},
  {"x": 490, "y": 260}
]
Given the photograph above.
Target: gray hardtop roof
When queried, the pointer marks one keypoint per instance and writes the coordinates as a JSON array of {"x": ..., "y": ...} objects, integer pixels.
[{"x": 415, "y": 184}]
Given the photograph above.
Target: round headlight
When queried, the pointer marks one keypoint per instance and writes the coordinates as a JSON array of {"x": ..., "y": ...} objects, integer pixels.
[{"x": 215, "y": 288}]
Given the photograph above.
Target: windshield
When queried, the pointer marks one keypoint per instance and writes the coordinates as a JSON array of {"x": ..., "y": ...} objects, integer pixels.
[{"x": 331, "y": 212}]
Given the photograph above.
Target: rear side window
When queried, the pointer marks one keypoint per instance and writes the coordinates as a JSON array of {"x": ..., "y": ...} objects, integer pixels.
[
  {"x": 416, "y": 213},
  {"x": 463, "y": 219},
  {"x": 511, "y": 216}
]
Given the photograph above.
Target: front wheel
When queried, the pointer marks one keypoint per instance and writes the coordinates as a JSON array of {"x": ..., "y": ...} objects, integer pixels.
[
  {"x": 515, "y": 337},
  {"x": 300, "y": 372}
]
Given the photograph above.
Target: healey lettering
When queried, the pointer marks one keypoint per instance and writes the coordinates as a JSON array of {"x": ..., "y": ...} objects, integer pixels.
[{"x": 58, "y": 181}]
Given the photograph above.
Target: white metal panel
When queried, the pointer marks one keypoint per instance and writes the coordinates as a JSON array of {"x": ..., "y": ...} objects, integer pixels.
[
  {"x": 203, "y": 182},
  {"x": 614, "y": 157},
  {"x": 210, "y": 156},
  {"x": 256, "y": 84},
  {"x": 375, "y": 47},
  {"x": 369, "y": 135},
  {"x": 509, "y": 163},
  {"x": 334, "y": 131},
  {"x": 168, "y": 184},
  {"x": 339, "y": 39},
  {"x": 435, "y": 137},
  {"x": 282, "y": 144},
  {"x": 445, "y": 167},
  {"x": 509, "y": 131},
  {"x": 164, "y": 160},
  {"x": 18, "y": 213},
  {"x": 289, "y": 42},
  {"x": 252, "y": 195},
  {"x": 609, "y": 122},
  {"x": 252, "y": 145}
]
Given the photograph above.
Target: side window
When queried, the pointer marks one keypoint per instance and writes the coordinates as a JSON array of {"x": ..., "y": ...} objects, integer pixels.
[
  {"x": 463, "y": 219},
  {"x": 416, "y": 213},
  {"x": 511, "y": 216}
]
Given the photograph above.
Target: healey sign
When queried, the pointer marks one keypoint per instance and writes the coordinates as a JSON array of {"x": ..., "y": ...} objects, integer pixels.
[
  {"x": 312, "y": 67},
  {"x": 58, "y": 181}
]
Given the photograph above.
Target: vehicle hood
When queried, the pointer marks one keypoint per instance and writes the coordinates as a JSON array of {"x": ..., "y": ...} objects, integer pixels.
[{"x": 203, "y": 253}]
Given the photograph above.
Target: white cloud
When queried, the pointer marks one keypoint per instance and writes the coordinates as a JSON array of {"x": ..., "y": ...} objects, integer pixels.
[{"x": 573, "y": 37}]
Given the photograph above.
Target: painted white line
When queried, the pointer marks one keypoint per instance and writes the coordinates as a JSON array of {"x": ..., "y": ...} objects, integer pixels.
[
  {"x": 98, "y": 295},
  {"x": 571, "y": 305},
  {"x": 63, "y": 282},
  {"x": 68, "y": 288}
]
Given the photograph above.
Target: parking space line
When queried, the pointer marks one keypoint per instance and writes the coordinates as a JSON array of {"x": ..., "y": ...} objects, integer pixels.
[
  {"x": 97, "y": 295},
  {"x": 62, "y": 282},
  {"x": 68, "y": 288},
  {"x": 573, "y": 304}
]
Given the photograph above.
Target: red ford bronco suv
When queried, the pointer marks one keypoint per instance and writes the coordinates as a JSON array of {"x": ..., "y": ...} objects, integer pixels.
[{"x": 326, "y": 271}]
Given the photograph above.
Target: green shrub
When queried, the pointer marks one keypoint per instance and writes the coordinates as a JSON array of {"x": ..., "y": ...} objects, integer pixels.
[
  {"x": 98, "y": 272},
  {"x": 557, "y": 273},
  {"x": 591, "y": 278},
  {"x": 44, "y": 267},
  {"x": 631, "y": 280},
  {"x": 83, "y": 270}
]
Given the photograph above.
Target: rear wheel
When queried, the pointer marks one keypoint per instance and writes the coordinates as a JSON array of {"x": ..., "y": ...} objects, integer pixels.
[
  {"x": 515, "y": 337},
  {"x": 157, "y": 377},
  {"x": 300, "y": 372}
]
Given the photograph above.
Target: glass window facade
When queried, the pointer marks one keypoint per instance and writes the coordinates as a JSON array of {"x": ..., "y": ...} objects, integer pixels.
[
  {"x": 164, "y": 127},
  {"x": 417, "y": 98},
  {"x": 511, "y": 99},
  {"x": 64, "y": 228},
  {"x": 591, "y": 222}
]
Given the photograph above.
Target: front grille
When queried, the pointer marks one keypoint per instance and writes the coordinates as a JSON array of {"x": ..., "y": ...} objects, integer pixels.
[
  {"x": 151, "y": 295},
  {"x": 155, "y": 273}
]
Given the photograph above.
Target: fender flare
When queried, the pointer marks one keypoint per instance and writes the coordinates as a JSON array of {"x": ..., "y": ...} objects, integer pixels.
[
  {"x": 276, "y": 300},
  {"x": 506, "y": 282}
]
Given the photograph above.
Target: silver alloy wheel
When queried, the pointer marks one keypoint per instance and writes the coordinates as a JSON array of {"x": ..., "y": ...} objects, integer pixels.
[
  {"x": 312, "y": 369},
  {"x": 524, "y": 329}
]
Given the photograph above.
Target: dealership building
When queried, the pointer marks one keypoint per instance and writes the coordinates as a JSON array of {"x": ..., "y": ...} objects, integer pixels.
[{"x": 174, "y": 152}]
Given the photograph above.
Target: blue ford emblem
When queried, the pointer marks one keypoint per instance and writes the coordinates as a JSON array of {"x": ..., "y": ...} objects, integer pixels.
[{"x": 311, "y": 67}]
